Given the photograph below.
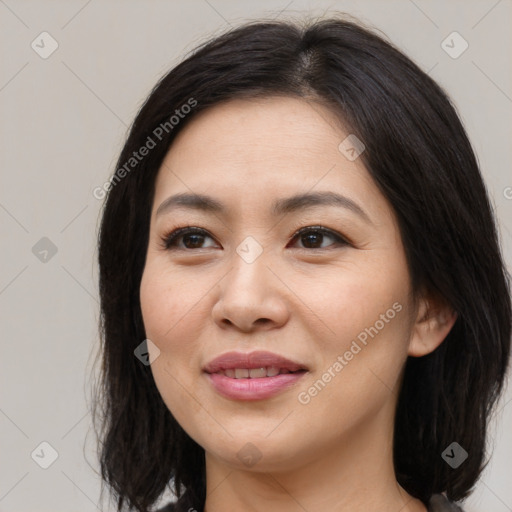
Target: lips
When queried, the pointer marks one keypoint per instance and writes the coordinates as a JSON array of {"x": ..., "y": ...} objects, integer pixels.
[
  {"x": 254, "y": 376},
  {"x": 238, "y": 362}
]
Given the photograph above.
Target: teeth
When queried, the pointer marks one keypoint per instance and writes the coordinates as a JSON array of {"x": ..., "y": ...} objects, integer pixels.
[
  {"x": 241, "y": 373},
  {"x": 253, "y": 373},
  {"x": 272, "y": 371},
  {"x": 257, "y": 373}
]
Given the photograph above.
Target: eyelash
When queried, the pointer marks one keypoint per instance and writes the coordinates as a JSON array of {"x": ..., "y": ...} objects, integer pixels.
[{"x": 169, "y": 240}]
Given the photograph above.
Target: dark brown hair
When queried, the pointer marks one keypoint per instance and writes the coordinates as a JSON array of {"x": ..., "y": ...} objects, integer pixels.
[{"x": 419, "y": 156}]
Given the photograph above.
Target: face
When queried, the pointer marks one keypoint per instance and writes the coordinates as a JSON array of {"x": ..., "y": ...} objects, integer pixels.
[{"x": 323, "y": 283}]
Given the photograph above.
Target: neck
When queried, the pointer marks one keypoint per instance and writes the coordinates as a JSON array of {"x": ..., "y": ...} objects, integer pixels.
[{"x": 355, "y": 474}]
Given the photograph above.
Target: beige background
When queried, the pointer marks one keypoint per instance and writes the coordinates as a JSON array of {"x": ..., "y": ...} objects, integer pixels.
[{"x": 63, "y": 121}]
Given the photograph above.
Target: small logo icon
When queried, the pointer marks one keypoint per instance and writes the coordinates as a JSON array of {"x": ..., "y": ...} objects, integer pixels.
[
  {"x": 454, "y": 455},
  {"x": 249, "y": 454},
  {"x": 44, "y": 250},
  {"x": 44, "y": 45},
  {"x": 147, "y": 352},
  {"x": 44, "y": 455},
  {"x": 249, "y": 249},
  {"x": 454, "y": 45},
  {"x": 351, "y": 147}
]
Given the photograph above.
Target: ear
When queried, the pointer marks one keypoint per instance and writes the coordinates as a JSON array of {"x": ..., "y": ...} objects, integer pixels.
[{"x": 434, "y": 320}]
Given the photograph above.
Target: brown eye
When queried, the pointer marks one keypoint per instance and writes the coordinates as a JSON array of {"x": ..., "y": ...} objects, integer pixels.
[
  {"x": 313, "y": 237},
  {"x": 192, "y": 238}
]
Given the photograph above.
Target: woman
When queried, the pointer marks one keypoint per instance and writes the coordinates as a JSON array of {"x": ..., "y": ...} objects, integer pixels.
[{"x": 304, "y": 305}]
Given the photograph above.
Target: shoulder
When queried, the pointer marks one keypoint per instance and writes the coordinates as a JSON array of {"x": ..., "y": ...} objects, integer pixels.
[{"x": 439, "y": 503}]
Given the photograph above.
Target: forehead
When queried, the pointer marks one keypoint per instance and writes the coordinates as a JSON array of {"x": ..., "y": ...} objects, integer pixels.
[
  {"x": 260, "y": 148},
  {"x": 273, "y": 127}
]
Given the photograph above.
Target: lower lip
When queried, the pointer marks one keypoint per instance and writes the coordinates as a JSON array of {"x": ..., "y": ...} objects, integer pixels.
[{"x": 253, "y": 389}]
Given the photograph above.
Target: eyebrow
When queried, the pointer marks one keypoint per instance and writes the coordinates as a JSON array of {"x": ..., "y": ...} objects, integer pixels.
[{"x": 291, "y": 204}]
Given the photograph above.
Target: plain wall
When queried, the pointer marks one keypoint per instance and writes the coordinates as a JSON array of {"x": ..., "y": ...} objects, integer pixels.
[{"x": 63, "y": 122}]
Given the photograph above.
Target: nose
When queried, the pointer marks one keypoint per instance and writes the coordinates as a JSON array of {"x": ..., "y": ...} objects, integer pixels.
[{"x": 251, "y": 297}]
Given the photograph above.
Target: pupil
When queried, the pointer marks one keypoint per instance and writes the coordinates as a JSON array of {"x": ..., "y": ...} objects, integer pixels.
[
  {"x": 314, "y": 238},
  {"x": 195, "y": 241}
]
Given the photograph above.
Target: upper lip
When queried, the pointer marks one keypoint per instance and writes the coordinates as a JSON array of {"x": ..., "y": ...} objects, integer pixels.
[{"x": 250, "y": 360}]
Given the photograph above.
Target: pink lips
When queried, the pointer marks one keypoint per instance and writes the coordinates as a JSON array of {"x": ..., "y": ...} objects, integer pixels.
[
  {"x": 251, "y": 360},
  {"x": 252, "y": 388}
]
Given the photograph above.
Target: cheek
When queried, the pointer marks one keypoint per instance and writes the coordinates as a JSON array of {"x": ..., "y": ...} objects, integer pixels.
[
  {"x": 352, "y": 299},
  {"x": 368, "y": 312},
  {"x": 170, "y": 313},
  {"x": 361, "y": 362},
  {"x": 167, "y": 303}
]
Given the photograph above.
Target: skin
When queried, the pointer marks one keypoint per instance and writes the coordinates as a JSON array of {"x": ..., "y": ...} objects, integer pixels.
[{"x": 306, "y": 300}]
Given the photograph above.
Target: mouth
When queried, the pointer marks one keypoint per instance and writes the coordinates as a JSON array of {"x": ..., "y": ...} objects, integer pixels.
[
  {"x": 255, "y": 373},
  {"x": 252, "y": 376},
  {"x": 247, "y": 388},
  {"x": 252, "y": 365}
]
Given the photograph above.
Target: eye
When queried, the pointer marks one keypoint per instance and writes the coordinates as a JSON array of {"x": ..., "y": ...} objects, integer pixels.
[
  {"x": 314, "y": 236},
  {"x": 192, "y": 237}
]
